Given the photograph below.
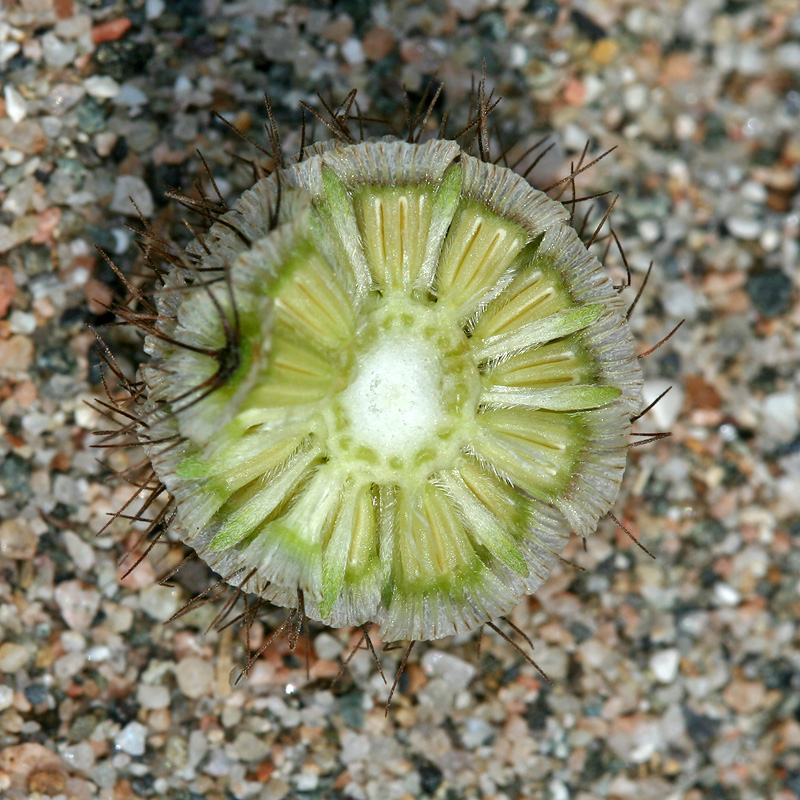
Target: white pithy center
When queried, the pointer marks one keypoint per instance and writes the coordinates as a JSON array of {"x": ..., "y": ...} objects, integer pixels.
[{"x": 394, "y": 404}]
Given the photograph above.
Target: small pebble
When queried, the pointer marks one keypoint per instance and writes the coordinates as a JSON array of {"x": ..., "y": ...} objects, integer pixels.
[
  {"x": 558, "y": 791},
  {"x": 62, "y": 97},
  {"x": 726, "y": 595},
  {"x": 666, "y": 411},
  {"x": 13, "y": 657},
  {"x": 57, "y": 53},
  {"x": 159, "y": 602},
  {"x": 101, "y": 87},
  {"x": 104, "y": 775},
  {"x": 26, "y": 136},
  {"x": 118, "y": 618},
  {"x": 745, "y": 227},
  {"x": 649, "y": 230},
  {"x": 456, "y": 672},
  {"x": 78, "y": 603},
  {"x": 16, "y": 355},
  {"x": 16, "y": 107},
  {"x": 781, "y": 415},
  {"x": 132, "y": 188},
  {"x": 604, "y": 51},
  {"x": 289, "y": 717},
  {"x": 352, "y": 51},
  {"x": 104, "y": 143},
  {"x": 111, "y": 30},
  {"x": 307, "y": 781},
  {"x": 231, "y": 716},
  {"x": 17, "y": 540},
  {"x": 198, "y": 747},
  {"x": 132, "y": 739},
  {"x": 770, "y": 240},
  {"x": 6, "y": 697},
  {"x": 218, "y": 764},
  {"x": 278, "y": 789},
  {"x": 744, "y": 697},
  {"x": 46, "y": 782},
  {"x": 249, "y": 747},
  {"x": 476, "y": 732},
  {"x": 685, "y": 126},
  {"x": 68, "y": 666},
  {"x": 79, "y": 756},
  {"x": 575, "y": 137},
  {"x": 377, "y": 43},
  {"x": 130, "y": 95},
  {"x": 355, "y": 747},
  {"x": 195, "y": 677},
  {"x": 81, "y": 552},
  {"x": 664, "y": 665},
  {"x": 327, "y": 647},
  {"x": 21, "y": 322},
  {"x": 154, "y": 8},
  {"x": 37, "y": 695},
  {"x": 467, "y": 9},
  {"x": 18, "y": 201},
  {"x": 98, "y": 654},
  {"x": 770, "y": 291},
  {"x": 73, "y": 642},
  {"x": 681, "y": 301},
  {"x": 635, "y": 97},
  {"x": 788, "y": 56},
  {"x": 8, "y": 50},
  {"x": 152, "y": 697}
]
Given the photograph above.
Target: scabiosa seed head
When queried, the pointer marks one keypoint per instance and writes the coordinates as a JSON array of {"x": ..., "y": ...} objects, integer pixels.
[{"x": 386, "y": 386}]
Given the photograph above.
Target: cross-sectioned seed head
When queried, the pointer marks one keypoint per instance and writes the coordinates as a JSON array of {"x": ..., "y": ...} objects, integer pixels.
[{"x": 386, "y": 387}]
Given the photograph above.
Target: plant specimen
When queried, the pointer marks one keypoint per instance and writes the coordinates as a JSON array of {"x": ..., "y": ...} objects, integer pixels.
[{"x": 385, "y": 386}]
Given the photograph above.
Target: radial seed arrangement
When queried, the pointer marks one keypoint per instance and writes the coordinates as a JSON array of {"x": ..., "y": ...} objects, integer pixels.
[{"x": 385, "y": 387}]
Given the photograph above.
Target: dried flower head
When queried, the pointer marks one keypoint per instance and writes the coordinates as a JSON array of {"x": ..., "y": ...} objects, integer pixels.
[{"x": 385, "y": 386}]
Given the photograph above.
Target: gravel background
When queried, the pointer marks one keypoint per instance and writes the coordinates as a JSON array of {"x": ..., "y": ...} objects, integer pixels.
[{"x": 675, "y": 678}]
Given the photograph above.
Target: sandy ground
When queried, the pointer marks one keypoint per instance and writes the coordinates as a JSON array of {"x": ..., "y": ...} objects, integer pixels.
[{"x": 675, "y": 677}]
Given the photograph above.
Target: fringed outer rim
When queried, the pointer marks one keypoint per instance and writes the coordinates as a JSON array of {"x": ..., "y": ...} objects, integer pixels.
[{"x": 592, "y": 491}]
